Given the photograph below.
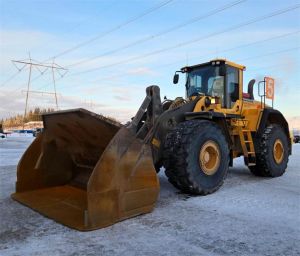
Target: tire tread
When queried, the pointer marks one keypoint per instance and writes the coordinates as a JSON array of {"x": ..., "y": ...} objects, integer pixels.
[{"x": 176, "y": 160}]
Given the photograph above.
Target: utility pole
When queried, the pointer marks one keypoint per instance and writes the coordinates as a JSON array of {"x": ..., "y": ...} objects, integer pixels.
[
  {"x": 55, "y": 95},
  {"x": 38, "y": 65},
  {"x": 27, "y": 94}
]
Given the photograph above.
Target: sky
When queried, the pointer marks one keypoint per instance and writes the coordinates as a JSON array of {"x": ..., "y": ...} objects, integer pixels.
[{"x": 113, "y": 50}]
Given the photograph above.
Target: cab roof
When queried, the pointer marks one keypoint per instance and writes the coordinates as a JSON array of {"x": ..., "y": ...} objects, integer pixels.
[{"x": 213, "y": 62}]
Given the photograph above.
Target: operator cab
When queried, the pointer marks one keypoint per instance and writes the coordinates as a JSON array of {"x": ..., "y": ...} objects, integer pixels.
[{"x": 218, "y": 78}]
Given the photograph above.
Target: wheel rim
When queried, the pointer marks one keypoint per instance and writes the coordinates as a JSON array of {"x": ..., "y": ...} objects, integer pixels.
[
  {"x": 209, "y": 157},
  {"x": 278, "y": 151}
]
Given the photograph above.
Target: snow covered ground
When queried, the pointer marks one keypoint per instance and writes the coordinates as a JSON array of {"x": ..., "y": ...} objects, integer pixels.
[{"x": 247, "y": 216}]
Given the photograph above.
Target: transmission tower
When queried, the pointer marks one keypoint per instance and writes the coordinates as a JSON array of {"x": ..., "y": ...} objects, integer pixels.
[{"x": 42, "y": 68}]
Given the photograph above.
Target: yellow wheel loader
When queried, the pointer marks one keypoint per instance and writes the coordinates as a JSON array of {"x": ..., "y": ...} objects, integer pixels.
[{"x": 88, "y": 172}]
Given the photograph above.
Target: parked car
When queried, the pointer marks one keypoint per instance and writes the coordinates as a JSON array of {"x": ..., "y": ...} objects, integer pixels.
[
  {"x": 20, "y": 133},
  {"x": 37, "y": 131}
]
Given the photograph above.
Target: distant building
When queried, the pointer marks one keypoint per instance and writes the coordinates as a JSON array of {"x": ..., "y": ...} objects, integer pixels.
[{"x": 33, "y": 125}]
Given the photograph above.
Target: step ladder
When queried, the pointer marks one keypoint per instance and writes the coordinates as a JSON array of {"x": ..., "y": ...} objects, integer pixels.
[{"x": 247, "y": 146}]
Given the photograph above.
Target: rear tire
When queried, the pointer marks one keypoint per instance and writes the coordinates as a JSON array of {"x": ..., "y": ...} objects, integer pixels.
[
  {"x": 272, "y": 153},
  {"x": 196, "y": 157}
]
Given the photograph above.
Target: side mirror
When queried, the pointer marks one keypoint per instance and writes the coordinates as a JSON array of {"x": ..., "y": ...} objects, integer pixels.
[{"x": 175, "y": 79}]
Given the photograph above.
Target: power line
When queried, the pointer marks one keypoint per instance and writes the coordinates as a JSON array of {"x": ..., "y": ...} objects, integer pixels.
[
  {"x": 271, "y": 53},
  {"x": 113, "y": 3},
  {"x": 245, "y": 45},
  {"x": 222, "y": 51},
  {"x": 193, "y": 20},
  {"x": 32, "y": 64},
  {"x": 10, "y": 78},
  {"x": 264, "y": 17},
  {"x": 239, "y": 46},
  {"x": 36, "y": 64},
  {"x": 131, "y": 20},
  {"x": 267, "y": 67},
  {"x": 13, "y": 76},
  {"x": 42, "y": 73},
  {"x": 216, "y": 33},
  {"x": 252, "y": 57},
  {"x": 225, "y": 50},
  {"x": 109, "y": 31},
  {"x": 18, "y": 72},
  {"x": 54, "y": 65},
  {"x": 164, "y": 32},
  {"x": 207, "y": 54},
  {"x": 76, "y": 26}
]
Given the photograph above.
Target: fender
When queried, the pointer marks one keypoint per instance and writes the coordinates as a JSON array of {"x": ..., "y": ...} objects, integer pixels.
[
  {"x": 273, "y": 116},
  {"x": 217, "y": 117}
]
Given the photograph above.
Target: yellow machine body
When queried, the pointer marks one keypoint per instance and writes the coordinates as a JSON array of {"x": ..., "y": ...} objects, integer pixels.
[
  {"x": 87, "y": 171},
  {"x": 248, "y": 114}
]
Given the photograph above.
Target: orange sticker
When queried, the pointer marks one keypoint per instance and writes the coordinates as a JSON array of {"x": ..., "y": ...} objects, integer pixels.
[{"x": 270, "y": 82}]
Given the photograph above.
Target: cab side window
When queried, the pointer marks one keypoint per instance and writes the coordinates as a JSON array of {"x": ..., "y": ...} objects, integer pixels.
[
  {"x": 232, "y": 85},
  {"x": 195, "y": 84},
  {"x": 216, "y": 88}
]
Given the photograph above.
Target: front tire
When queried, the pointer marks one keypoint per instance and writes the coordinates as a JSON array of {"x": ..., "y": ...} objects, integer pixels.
[
  {"x": 272, "y": 153},
  {"x": 196, "y": 157}
]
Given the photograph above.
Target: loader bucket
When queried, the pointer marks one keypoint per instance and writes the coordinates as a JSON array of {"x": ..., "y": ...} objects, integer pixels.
[{"x": 86, "y": 171}]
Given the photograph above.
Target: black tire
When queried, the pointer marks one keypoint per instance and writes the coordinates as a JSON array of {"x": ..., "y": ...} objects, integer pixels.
[
  {"x": 266, "y": 166},
  {"x": 157, "y": 167},
  {"x": 181, "y": 157}
]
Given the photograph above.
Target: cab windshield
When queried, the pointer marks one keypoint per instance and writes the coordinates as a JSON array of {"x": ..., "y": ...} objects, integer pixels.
[
  {"x": 205, "y": 80},
  {"x": 210, "y": 81}
]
